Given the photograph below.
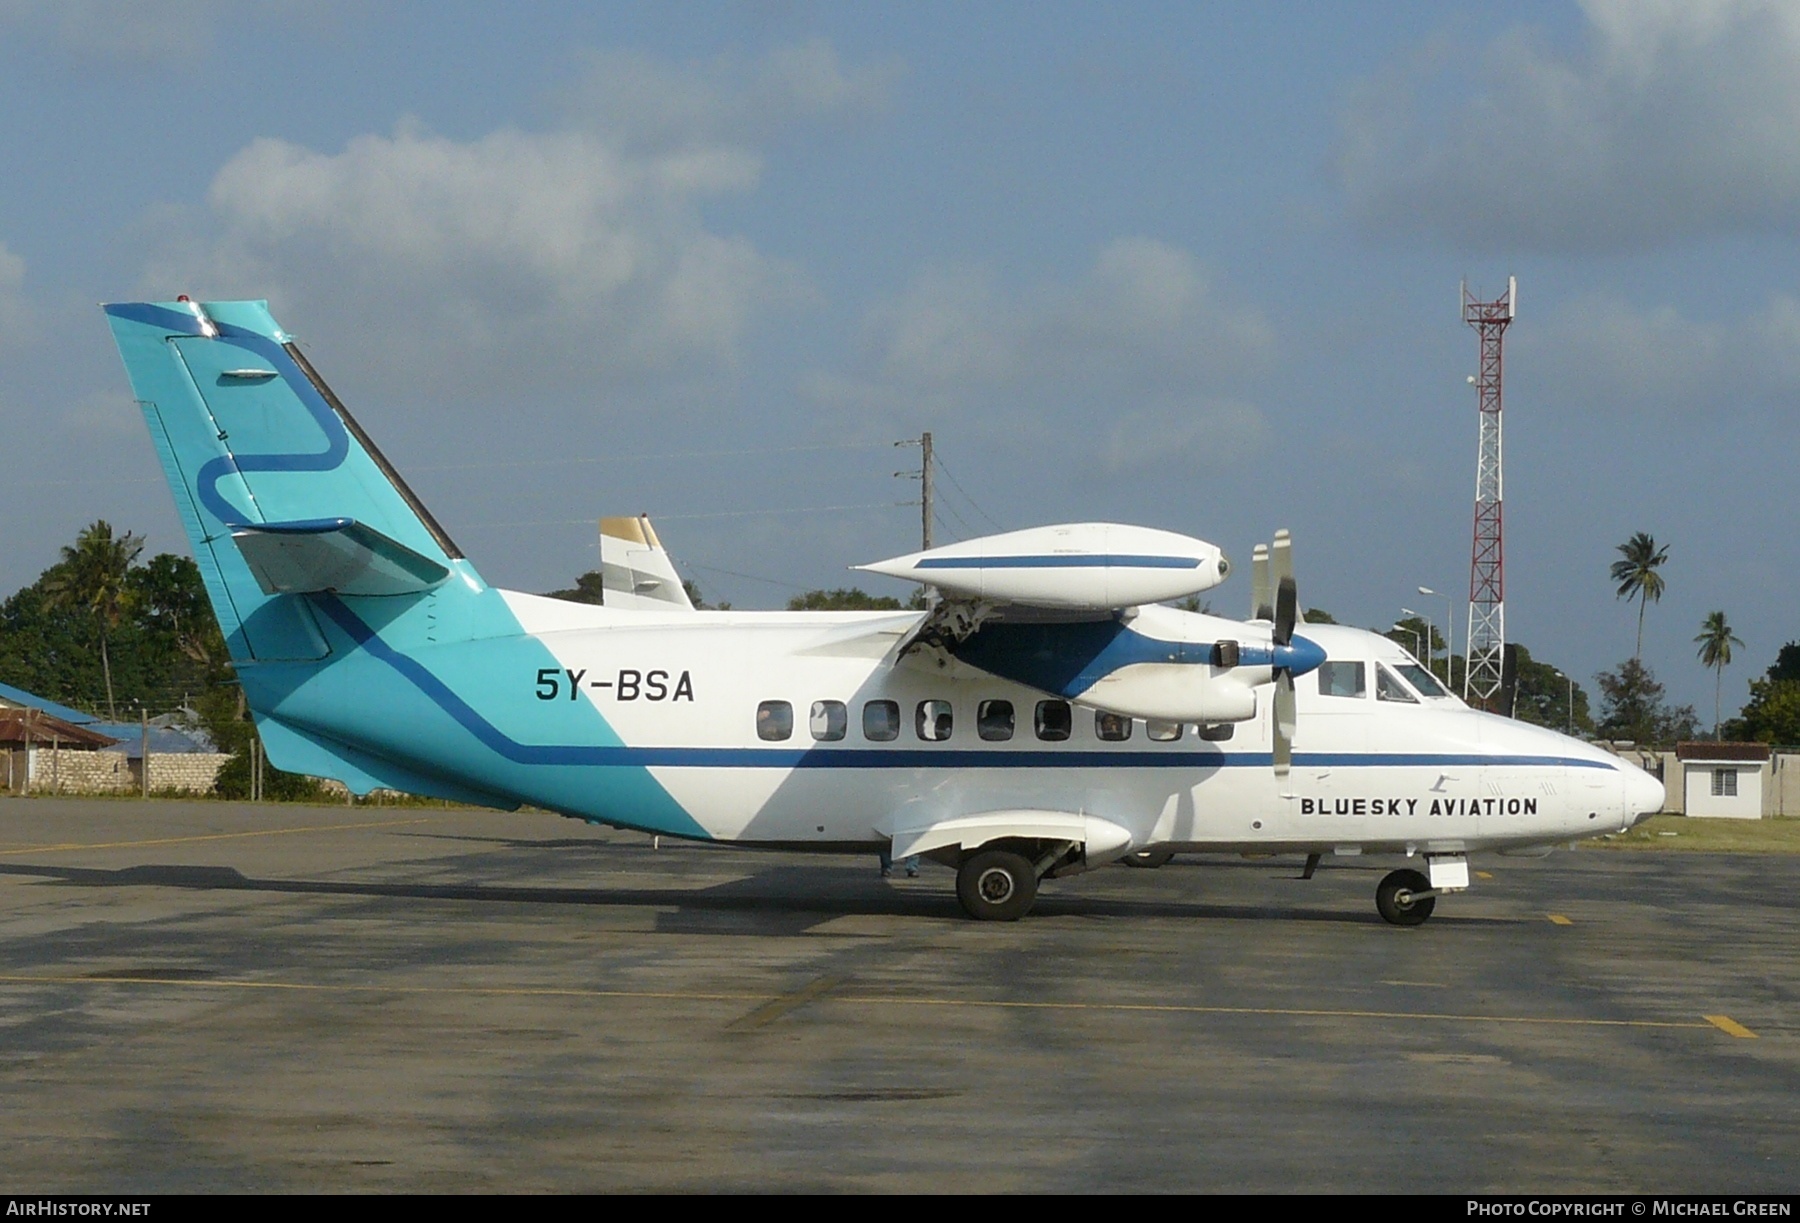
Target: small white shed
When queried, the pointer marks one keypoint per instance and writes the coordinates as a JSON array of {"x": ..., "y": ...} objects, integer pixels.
[{"x": 1723, "y": 779}]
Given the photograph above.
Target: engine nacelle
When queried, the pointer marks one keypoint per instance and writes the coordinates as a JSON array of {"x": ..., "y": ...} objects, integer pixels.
[
  {"x": 1088, "y": 565},
  {"x": 1171, "y": 692}
]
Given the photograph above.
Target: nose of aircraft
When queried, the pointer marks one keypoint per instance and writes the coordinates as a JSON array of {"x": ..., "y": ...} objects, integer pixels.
[
  {"x": 1299, "y": 656},
  {"x": 1644, "y": 795}
]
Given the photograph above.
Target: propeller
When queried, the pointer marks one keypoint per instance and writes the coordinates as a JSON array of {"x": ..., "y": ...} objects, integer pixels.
[
  {"x": 1262, "y": 607},
  {"x": 1280, "y": 566}
]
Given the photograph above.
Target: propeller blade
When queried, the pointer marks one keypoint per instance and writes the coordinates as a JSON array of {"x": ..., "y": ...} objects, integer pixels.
[
  {"x": 1262, "y": 603},
  {"x": 1287, "y": 610},
  {"x": 1281, "y": 556},
  {"x": 1284, "y": 722}
]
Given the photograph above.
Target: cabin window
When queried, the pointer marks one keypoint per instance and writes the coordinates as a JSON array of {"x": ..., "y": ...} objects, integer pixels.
[
  {"x": 1389, "y": 688},
  {"x": 931, "y": 721},
  {"x": 1054, "y": 721},
  {"x": 1341, "y": 679},
  {"x": 1218, "y": 732},
  {"x": 881, "y": 721},
  {"x": 1724, "y": 783},
  {"x": 994, "y": 721},
  {"x": 1423, "y": 680},
  {"x": 830, "y": 721},
  {"x": 774, "y": 721},
  {"x": 1112, "y": 727},
  {"x": 1163, "y": 732}
]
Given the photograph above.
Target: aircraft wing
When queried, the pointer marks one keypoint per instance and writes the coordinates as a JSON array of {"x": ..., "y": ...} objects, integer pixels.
[{"x": 1074, "y": 611}]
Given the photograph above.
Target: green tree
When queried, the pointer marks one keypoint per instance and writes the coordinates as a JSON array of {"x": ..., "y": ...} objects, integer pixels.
[
  {"x": 852, "y": 599},
  {"x": 1543, "y": 693},
  {"x": 1715, "y": 641},
  {"x": 94, "y": 576},
  {"x": 1637, "y": 577},
  {"x": 587, "y": 589},
  {"x": 1773, "y": 712},
  {"x": 1632, "y": 707}
]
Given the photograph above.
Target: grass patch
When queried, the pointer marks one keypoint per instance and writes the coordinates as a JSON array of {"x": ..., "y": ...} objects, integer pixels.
[{"x": 1678, "y": 832}]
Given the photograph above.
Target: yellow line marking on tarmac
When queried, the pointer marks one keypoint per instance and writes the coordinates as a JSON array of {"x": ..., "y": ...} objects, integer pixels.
[
  {"x": 823, "y": 985},
  {"x": 1560, "y": 920},
  {"x": 485, "y": 991},
  {"x": 776, "y": 1007},
  {"x": 10, "y": 851},
  {"x": 1730, "y": 1026},
  {"x": 1484, "y": 874}
]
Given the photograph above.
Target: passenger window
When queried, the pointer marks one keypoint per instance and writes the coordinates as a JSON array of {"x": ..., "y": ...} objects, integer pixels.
[
  {"x": 1163, "y": 732},
  {"x": 1389, "y": 688},
  {"x": 1112, "y": 727},
  {"x": 1341, "y": 679},
  {"x": 829, "y": 721},
  {"x": 774, "y": 721},
  {"x": 994, "y": 721},
  {"x": 1218, "y": 732},
  {"x": 931, "y": 721},
  {"x": 1054, "y": 721},
  {"x": 881, "y": 721}
]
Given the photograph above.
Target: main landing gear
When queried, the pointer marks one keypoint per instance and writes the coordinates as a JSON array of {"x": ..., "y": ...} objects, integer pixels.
[
  {"x": 996, "y": 885},
  {"x": 1405, "y": 898}
]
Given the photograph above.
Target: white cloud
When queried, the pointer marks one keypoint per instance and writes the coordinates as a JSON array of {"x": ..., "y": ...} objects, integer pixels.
[
  {"x": 1605, "y": 355},
  {"x": 1676, "y": 119},
  {"x": 522, "y": 257},
  {"x": 15, "y": 319},
  {"x": 651, "y": 102},
  {"x": 1137, "y": 362},
  {"x": 177, "y": 30}
]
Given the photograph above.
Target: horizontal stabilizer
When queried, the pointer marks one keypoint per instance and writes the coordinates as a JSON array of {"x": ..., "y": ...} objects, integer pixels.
[{"x": 333, "y": 554}]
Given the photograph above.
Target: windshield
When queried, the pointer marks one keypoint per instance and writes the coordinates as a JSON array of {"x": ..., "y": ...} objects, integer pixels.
[{"x": 1423, "y": 680}]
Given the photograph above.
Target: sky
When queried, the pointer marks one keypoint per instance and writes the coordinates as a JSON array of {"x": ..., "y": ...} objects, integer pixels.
[{"x": 1193, "y": 266}]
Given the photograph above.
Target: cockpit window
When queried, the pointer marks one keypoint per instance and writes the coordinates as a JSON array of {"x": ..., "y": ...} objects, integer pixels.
[
  {"x": 1423, "y": 680},
  {"x": 1341, "y": 679},
  {"x": 1389, "y": 688}
]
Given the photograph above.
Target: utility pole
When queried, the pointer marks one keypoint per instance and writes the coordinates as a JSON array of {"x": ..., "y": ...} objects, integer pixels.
[
  {"x": 925, "y": 490},
  {"x": 925, "y": 500}
]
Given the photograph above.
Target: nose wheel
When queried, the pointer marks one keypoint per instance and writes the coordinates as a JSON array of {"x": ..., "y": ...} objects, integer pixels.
[{"x": 1405, "y": 898}]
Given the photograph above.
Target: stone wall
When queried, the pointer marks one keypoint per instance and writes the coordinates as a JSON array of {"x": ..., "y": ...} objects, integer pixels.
[{"x": 66, "y": 771}]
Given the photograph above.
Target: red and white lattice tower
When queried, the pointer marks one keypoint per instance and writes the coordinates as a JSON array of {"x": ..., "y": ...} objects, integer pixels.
[{"x": 1487, "y": 574}]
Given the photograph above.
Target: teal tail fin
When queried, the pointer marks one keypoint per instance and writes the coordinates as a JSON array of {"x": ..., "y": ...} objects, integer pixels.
[{"x": 281, "y": 492}]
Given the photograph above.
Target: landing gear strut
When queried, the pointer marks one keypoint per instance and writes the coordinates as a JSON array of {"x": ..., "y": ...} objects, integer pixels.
[
  {"x": 1405, "y": 898},
  {"x": 996, "y": 885}
]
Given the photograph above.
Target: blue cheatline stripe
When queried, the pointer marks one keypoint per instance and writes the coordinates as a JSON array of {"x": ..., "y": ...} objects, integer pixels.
[
  {"x": 1065, "y": 561},
  {"x": 819, "y": 757},
  {"x": 337, "y": 439}
]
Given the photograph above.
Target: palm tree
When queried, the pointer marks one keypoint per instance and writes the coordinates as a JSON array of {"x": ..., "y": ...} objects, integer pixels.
[
  {"x": 1715, "y": 642},
  {"x": 91, "y": 577},
  {"x": 1638, "y": 578}
]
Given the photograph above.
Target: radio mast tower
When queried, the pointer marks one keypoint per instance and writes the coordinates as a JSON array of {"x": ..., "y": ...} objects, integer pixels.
[{"x": 1487, "y": 575}]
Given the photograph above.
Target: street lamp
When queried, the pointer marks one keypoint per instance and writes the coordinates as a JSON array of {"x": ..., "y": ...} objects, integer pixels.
[
  {"x": 1426, "y": 620},
  {"x": 1449, "y": 628},
  {"x": 1401, "y": 628},
  {"x": 1560, "y": 675}
]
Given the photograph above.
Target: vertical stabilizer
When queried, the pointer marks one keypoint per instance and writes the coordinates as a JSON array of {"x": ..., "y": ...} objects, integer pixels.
[
  {"x": 635, "y": 571},
  {"x": 280, "y": 491}
]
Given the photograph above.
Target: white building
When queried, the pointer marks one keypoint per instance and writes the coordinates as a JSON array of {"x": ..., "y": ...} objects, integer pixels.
[{"x": 1723, "y": 779}]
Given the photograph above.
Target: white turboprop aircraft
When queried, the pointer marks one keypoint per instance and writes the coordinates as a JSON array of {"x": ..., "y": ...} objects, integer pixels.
[{"x": 1048, "y": 715}]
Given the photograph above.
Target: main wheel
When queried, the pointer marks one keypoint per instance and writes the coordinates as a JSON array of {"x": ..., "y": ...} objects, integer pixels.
[
  {"x": 1398, "y": 901},
  {"x": 996, "y": 885},
  {"x": 1149, "y": 859}
]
